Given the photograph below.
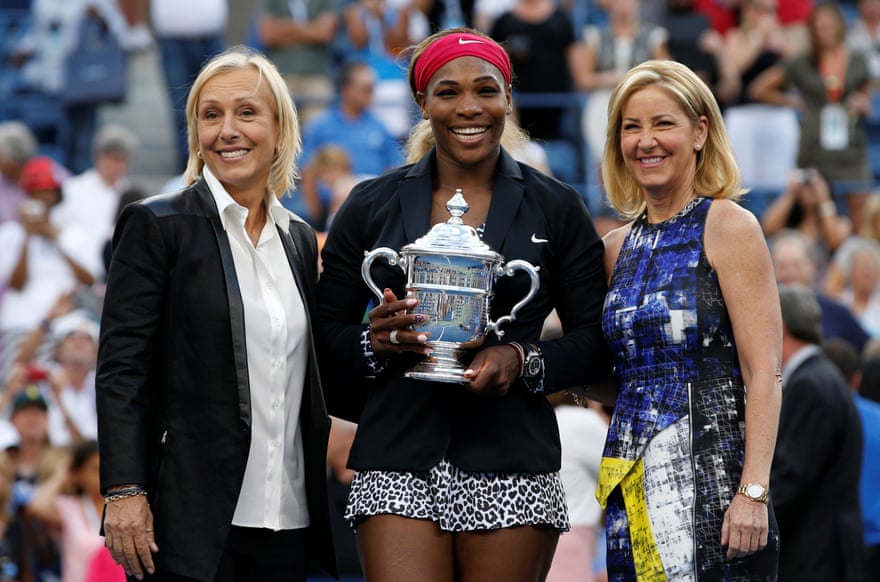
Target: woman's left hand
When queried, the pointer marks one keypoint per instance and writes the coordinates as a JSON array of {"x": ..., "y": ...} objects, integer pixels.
[
  {"x": 745, "y": 527},
  {"x": 492, "y": 371}
]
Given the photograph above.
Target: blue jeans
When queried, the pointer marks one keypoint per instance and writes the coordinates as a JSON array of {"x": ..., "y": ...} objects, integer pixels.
[{"x": 182, "y": 59}]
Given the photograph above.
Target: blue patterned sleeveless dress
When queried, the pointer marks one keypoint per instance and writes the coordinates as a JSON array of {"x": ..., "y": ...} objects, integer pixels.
[{"x": 674, "y": 453}]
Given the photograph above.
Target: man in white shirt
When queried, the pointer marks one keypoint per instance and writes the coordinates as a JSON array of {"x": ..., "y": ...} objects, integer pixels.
[{"x": 91, "y": 199}]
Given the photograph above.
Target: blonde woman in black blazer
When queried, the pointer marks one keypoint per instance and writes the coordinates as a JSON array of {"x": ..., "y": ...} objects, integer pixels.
[{"x": 197, "y": 418}]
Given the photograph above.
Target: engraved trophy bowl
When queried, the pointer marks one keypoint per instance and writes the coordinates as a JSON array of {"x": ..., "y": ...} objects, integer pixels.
[{"x": 452, "y": 273}]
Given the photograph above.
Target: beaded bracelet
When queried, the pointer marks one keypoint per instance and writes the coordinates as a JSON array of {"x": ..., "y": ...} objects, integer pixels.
[
  {"x": 124, "y": 494},
  {"x": 579, "y": 400},
  {"x": 520, "y": 354}
]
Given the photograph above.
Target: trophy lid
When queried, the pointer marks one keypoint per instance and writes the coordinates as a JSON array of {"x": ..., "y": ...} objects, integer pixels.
[{"x": 453, "y": 237}]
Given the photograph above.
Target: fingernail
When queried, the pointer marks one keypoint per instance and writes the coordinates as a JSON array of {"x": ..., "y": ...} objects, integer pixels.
[
  {"x": 419, "y": 318},
  {"x": 411, "y": 302},
  {"x": 421, "y": 338}
]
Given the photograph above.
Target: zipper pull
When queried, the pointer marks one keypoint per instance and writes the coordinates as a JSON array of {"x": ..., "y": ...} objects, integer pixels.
[{"x": 164, "y": 437}]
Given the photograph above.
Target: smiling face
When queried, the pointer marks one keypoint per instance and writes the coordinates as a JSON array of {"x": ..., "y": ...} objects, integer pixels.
[
  {"x": 659, "y": 142},
  {"x": 237, "y": 131},
  {"x": 467, "y": 102}
]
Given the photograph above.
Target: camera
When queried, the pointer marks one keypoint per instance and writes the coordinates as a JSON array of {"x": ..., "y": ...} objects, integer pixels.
[
  {"x": 804, "y": 175},
  {"x": 33, "y": 208}
]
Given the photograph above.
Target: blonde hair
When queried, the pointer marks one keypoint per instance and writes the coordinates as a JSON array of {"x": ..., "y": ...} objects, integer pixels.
[
  {"x": 717, "y": 174},
  {"x": 421, "y": 138},
  {"x": 868, "y": 229},
  {"x": 283, "y": 172}
]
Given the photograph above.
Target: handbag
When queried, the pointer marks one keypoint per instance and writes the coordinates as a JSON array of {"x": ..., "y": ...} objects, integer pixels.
[{"x": 96, "y": 71}]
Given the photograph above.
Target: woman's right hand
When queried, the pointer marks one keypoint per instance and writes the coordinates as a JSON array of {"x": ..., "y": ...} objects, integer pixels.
[
  {"x": 128, "y": 534},
  {"x": 389, "y": 321}
]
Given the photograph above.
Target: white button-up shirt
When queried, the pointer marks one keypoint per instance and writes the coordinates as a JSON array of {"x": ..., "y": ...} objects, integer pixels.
[{"x": 273, "y": 493}]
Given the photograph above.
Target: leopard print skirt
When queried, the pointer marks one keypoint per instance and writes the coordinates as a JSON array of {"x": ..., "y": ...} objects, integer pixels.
[{"x": 460, "y": 501}]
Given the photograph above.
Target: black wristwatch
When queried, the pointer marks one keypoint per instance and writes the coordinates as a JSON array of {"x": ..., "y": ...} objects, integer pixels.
[{"x": 533, "y": 369}]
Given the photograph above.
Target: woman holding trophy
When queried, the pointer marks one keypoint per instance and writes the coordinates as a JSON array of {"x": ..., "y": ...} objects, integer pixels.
[{"x": 457, "y": 471}]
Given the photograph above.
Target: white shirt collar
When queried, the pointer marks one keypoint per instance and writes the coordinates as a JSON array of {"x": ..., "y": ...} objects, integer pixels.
[{"x": 225, "y": 203}]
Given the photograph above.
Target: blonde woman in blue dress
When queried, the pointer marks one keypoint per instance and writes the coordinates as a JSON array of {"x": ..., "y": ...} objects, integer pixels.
[{"x": 692, "y": 317}]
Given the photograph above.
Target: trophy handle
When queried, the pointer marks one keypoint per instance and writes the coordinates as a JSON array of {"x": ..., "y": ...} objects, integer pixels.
[
  {"x": 393, "y": 259},
  {"x": 509, "y": 269}
]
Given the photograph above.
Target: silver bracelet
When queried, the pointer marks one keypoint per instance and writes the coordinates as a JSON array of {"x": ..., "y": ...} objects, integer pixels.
[{"x": 124, "y": 495}]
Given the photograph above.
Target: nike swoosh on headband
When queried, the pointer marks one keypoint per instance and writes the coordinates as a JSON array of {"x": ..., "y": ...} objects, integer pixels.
[{"x": 463, "y": 41}]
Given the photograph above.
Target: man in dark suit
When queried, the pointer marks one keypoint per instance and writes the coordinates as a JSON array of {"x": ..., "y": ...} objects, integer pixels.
[{"x": 814, "y": 481}]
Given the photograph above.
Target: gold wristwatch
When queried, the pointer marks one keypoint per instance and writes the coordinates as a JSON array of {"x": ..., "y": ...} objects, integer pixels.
[{"x": 754, "y": 492}]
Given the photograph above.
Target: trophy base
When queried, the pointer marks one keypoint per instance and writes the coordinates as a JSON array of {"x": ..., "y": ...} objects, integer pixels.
[{"x": 440, "y": 366}]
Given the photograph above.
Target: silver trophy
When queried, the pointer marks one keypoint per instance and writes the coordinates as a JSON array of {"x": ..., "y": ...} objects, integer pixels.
[{"x": 452, "y": 273}]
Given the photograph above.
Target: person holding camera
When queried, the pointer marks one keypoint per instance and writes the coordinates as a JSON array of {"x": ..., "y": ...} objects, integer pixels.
[
  {"x": 806, "y": 206},
  {"x": 41, "y": 260}
]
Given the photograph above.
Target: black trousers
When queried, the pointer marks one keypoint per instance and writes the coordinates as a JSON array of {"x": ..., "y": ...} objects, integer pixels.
[{"x": 256, "y": 555}]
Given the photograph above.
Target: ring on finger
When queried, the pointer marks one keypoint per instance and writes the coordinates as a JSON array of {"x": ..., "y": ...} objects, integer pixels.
[{"x": 392, "y": 337}]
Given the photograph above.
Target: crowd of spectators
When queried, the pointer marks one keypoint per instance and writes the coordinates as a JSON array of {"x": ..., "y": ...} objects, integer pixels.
[{"x": 787, "y": 73}]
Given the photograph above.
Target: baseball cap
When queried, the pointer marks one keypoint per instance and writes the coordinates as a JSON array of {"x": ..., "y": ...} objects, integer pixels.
[
  {"x": 42, "y": 173},
  {"x": 30, "y": 396}
]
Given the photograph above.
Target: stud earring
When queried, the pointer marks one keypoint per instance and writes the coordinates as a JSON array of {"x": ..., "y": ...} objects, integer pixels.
[
  {"x": 199, "y": 154},
  {"x": 698, "y": 147}
]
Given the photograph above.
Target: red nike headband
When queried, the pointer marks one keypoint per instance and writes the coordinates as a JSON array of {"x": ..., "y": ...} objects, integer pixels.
[{"x": 457, "y": 45}]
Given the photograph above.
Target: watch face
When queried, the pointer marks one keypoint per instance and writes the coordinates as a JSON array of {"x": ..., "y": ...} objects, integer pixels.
[
  {"x": 534, "y": 366},
  {"x": 754, "y": 491}
]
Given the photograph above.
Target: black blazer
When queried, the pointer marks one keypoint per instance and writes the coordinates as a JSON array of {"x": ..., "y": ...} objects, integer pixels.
[
  {"x": 814, "y": 482},
  {"x": 411, "y": 425},
  {"x": 173, "y": 395}
]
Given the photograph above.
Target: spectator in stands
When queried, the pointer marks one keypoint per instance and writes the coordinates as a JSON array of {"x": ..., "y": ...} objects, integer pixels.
[
  {"x": 136, "y": 13},
  {"x": 32, "y": 545},
  {"x": 538, "y": 36},
  {"x": 71, "y": 336},
  {"x": 376, "y": 33},
  {"x": 56, "y": 30},
  {"x": 349, "y": 124},
  {"x": 806, "y": 206},
  {"x": 70, "y": 504},
  {"x": 604, "y": 55},
  {"x": 486, "y": 12},
  {"x": 188, "y": 34},
  {"x": 764, "y": 137},
  {"x": 794, "y": 260},
  {"x": 814, "y": 479},
  {"x": 443, "y": 14},
  {"x": 334, "y": 179},
  {"x": 697, "y": 42},
  {"x": 847, "y": 360},
  {"x": 863, "y": 35},
  {"x": 834, "y": 278},
  {"x": 92, "y": 197},
  {"x": 298, "y": 35},
  {"x": 582, "y": 430},
  {"x": 832, "y": 85},
  {"x": 42, "y": 257},
  {"x": 17, "y": 145},
  {"x": 860, "y": 292},
  {"x": 9, "y": 567}
]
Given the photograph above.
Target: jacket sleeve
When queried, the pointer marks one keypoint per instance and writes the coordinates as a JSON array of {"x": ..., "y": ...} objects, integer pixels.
[
  {"x": 130, "y": 327},
  {"x": 579, "y": 356},
  {"x": 343, "y": 300}
]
